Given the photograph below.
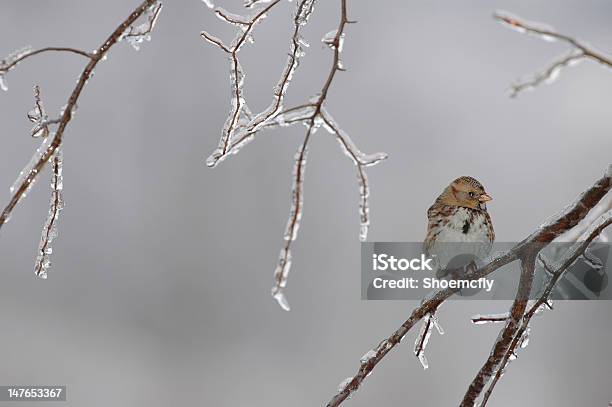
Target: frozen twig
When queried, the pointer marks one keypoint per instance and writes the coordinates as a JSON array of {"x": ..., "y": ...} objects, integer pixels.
[
  {"x": 51, "y": 144},
  {"x": 136, "y": 35},
  {"x": 525, "y": 251},
  {"x": 422, "y": 339},
  {"x": 9, "y": 63},
  {"x": 578, "y": 51},
  {"x": 239, "y": 110},
  {"x": 49, "y": 233},
  {"x": 242, "y": 126}
]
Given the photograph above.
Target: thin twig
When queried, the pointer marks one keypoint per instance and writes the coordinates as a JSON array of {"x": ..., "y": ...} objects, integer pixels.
[
  {"x": 5, "y": 67},
  {"x": 549, "y": 74},
  {"x": 66, "y": 115},
  {"x": 238, "y": 103}
]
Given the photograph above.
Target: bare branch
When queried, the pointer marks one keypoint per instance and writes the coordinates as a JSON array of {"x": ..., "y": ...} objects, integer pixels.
[
  {"x": 524, "y": 251},
  {"x": 578, "y": 52}
]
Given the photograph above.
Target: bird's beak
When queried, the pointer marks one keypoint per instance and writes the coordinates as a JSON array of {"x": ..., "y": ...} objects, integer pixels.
[{"x": 484, "y": 198}]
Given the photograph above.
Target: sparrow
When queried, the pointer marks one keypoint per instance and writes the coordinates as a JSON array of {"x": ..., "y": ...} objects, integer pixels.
[{"x": 459, "y": 215}]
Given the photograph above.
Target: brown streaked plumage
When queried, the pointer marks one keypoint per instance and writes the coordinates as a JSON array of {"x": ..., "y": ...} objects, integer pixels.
[{"x": 460, "y": 215}]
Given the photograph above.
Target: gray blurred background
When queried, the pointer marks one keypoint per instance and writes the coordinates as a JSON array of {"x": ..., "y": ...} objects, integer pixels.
[{"x": 159, "y": 291}]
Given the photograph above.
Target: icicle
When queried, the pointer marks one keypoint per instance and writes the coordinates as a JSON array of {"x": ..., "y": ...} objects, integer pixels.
[
  {"x": 436, "y": 323},
  {"x": 279, "y": 296},
  {"x": 56, "y": 205},
  {"x": 421, "y": 341},
  {"x": 423, "y": 360}
]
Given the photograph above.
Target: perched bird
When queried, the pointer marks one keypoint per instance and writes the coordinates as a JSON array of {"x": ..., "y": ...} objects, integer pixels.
[{"x": 459, "y": 222}]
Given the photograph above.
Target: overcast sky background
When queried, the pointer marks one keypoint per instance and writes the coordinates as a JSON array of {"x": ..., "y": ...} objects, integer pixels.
[{"x": 159, "y": 291}]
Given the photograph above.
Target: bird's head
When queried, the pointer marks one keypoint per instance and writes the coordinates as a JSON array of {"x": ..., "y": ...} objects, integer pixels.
[{"x": 466, "y": 192}]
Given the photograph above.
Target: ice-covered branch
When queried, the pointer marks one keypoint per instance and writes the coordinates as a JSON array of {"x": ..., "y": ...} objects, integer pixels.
[
  {"x": 9, "y": 63},
  {"x": 505, "y": 339},
  {"x": 578, "y": 51},
  {"x": 239, "y": 111},
  {"x": 242, "y": 126},
  {"x": 525, "y": 251},
  {"x": 49, "y": 233},
  {"x": 136, "y": 35},
  {"x": 49, "y": 149},
  {"x": 543, "y": 302}
]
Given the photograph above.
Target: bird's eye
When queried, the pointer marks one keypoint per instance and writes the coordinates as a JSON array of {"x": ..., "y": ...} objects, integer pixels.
[{"x": 471, "y": 194}]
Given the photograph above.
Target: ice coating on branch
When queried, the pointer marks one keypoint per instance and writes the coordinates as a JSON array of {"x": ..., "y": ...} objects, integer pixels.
[
  {"x": 344, "y": 383},
  {"x": 293, "y": 224},
  {"x": 480, "y": 319},
  {"x": 519, "y": 24},
  {"x": 208, "y": 3},
  {"x": 421, "y": 341},
  {"x": 282, "y": 270},
  {"x": 348, "y": 146},
  {"x": 524, "y": 341},
  {"x": 591, "y": 260},
  {"x": 38, "y": 116},
  {"x": 361, "y": 161},
  {"x": 29, "y": 172},
  {"x": 49, "y": 232},
  {"x": 368, "y": 356},
  {"x": 329, "y": 39},
  {"x": 238, "y": 129},
  {"x": 136, "y": 35},
  {"x": 10, "y": 62},
  {"x": 548, "y": 75},
  {"x": 291, "y": 117},
  {"x": 297, "y": 195},
  {"x": 304, "y": 11}
]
